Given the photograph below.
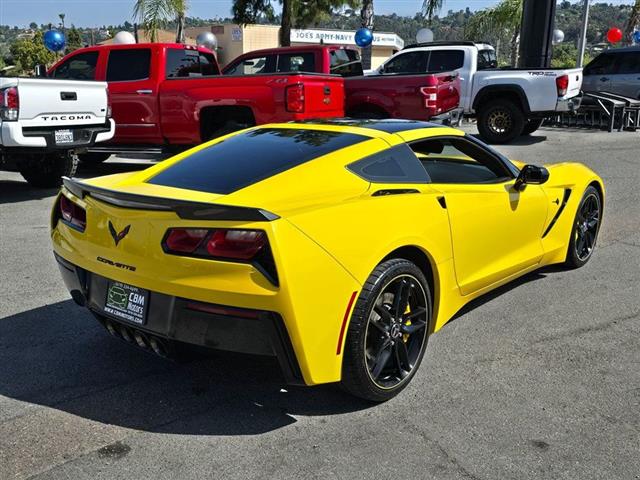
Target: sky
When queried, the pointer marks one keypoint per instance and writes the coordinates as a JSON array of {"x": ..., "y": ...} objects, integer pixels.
[{"x": 87, "y": 13}]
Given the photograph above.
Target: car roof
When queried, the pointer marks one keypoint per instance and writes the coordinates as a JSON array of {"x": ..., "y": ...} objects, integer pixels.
[
  {"x": 388, "y": 125},
  {"x": 633, "y": 48}
]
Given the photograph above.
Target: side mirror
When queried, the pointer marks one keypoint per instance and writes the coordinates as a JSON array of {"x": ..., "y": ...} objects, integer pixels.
[
  {"x": 531, "y": 174},
  {"x": 40, "y": 70}
]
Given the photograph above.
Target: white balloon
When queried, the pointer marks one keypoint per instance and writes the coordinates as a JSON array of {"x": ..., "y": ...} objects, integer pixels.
[
  {"x": 207, "y": 40},
  {"x": 558, "y": 37},
  {"x": 424, "y": 35},
  {"x": 123, "y": 38}
]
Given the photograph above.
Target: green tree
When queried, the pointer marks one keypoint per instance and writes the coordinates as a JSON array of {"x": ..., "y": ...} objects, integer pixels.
[
  {"x": 27, "y": 53},
  {"x": 498, "y": 21},
  {"x": 74, "y": 39},
  {"x": 33, "y": 26},
  {"x": 154, "y": 14},
  {"x": 431, "y": 7}
]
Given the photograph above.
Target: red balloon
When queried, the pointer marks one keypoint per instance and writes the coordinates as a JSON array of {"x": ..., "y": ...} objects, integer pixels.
[{"x": 614, "y": 35}]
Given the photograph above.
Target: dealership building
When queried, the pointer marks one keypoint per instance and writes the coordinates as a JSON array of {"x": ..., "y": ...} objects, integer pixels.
[{"x": 234, "y": 40}]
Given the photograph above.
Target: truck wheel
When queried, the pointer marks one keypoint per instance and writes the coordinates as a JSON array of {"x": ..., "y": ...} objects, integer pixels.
[
  {"x": 500, "y": 121},
  {"x": 45, "y": 170},
  {"x": 532, "y": 126},
  {"x": 93, "y": 158}
]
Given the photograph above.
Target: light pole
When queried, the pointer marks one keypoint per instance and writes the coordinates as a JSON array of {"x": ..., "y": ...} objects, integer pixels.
[{"x": 582, "y": 43}]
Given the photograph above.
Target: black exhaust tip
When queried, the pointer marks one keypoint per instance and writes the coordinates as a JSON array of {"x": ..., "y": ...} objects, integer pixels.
[
  {"x": 141, "y": 339},
  {"x": 126, "y": 334},
  {"x": 158, "y": 346}
]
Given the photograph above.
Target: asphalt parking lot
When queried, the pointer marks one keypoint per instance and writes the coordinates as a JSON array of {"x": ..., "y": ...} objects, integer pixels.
[{"x": 539, "y": 380}]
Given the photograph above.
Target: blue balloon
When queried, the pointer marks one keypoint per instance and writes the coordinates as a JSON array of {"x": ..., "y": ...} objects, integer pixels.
[
  {"x": 636, "y": 36},
  {"x": 54, "y": 40},
  {"x": 364, "y": 37}
]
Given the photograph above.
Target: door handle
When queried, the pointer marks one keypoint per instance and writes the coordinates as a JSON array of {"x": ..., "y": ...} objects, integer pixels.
[
  {"x": 604, "y": 79},
  {"x": 144, "y": 92}
]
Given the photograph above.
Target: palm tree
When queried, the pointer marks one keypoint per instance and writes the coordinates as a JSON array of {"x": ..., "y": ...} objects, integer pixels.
[
  {"x": 430, "y": 7},
  {"x": 154, "y": 14},
  {"x": 62, "y": 15},
  {"x": 503, "y": 19}
]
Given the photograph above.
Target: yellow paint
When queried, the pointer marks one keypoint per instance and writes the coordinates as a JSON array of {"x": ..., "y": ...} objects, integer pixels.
[{"x": 331, "y": 235}]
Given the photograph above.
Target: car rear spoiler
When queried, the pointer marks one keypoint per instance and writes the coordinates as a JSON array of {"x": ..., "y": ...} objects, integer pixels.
[{"x": 183, "y": 208}]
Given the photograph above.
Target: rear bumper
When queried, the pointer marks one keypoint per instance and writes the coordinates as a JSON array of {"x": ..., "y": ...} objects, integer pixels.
[
  {"x": 15, "y": 136},
  {"x": 452, "y": 117},
  {"x": 176, "y": 319},
  {"x": 568, "y": 104}
]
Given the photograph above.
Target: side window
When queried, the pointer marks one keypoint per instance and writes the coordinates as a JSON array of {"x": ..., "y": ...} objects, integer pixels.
[
  {"x": 628, "y": 63},
  {"x": 253, "y": 66},
  {"x": 394, "y": 165},
  {"x": 445, "y": 60},
  {"x": 128, "y": 65},
  {"x": 457, "y": 160},
  {"x": 296, "y": 62},
  {"x": 410, "y": 62},
  {"x": 602, "y": 64},
  {"x": 487, "y": 59},
  {"x": 345, "y": 62},
  {"x": 78, "y": 67},
  {"x": 182, "y": 63}
]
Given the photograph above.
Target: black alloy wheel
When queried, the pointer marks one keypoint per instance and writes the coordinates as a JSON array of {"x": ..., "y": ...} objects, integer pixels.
[
  {"x": 585, "y": 229},
  {"x": 388, "y": 332}
]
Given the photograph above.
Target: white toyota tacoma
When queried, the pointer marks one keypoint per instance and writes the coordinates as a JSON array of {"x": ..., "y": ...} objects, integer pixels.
[
  {"x": 45, "y": 122},
  {"x": 507, "y": 102}
]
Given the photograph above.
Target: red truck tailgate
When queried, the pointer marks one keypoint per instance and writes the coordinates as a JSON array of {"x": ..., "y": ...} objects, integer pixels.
[{"x": 324, "y": 95}]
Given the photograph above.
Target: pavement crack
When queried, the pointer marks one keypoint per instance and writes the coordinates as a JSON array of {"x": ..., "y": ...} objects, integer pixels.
[{"x": 452, "y": 459}]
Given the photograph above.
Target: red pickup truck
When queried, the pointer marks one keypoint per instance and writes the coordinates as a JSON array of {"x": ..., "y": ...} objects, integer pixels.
[
  {"x": 433, "y": 96},
  {"x": 167, "y": 97}
]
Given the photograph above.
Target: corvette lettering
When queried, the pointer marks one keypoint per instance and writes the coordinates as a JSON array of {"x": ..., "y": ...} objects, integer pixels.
[
  {"x": 62, "y": 118},
  {"x": 124, "y": 266}
]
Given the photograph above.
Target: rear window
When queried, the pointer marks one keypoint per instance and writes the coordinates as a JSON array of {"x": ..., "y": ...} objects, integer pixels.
[
  {"x": 78, "y": 67},
  {"x": 253, "y": 66},
  {"x": 182, "y": 63},
  {"x": 346, "y": 63},
  {"x": 128, "y": 65},
  {"x": 446, "y": 60},
  {"x": 251, "y": 157},
  {"x": 296, "y": 62}
]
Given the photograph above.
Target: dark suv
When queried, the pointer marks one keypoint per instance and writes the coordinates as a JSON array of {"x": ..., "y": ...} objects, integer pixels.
[{"x": 616, "y": 71}]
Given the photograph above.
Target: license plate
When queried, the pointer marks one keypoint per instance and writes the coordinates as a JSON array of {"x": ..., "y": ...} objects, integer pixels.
[
  {"x": 126, "y": 302},
  {"x": 64, "y": 136}
]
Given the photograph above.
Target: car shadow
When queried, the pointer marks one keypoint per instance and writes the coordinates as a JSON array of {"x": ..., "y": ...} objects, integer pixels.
[
  {"x": 14, "y": 191},
  {"x": 58, "y": 356},
  {"x": 498, "y": 292}
]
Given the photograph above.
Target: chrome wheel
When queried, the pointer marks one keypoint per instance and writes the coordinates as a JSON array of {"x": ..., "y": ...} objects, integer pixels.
[
  {"x": 500, "y": 121},
  {"x": 396, "y": 331},
  {"x": 587, "y": 223}
]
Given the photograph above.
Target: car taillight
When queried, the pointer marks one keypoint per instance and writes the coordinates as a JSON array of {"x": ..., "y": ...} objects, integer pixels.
[
  {"x": 216, "y": 243},
  {"x": 295, "y": 98},
  {"x": 233, "y": 244},
  {"x": 430, "y": 95},
  {"x": 185, "y": 240},
  {"x": 9, "y": 104},
  {"x": 109, "y": 109},
  {"x": 72, "y": 214},
  {"x": 562, "y": 84}
]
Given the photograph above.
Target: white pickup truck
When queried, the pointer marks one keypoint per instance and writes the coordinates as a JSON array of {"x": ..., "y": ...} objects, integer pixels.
[
  {"x": 44, "y": 122},
  {"x": 507, "y": 102}
]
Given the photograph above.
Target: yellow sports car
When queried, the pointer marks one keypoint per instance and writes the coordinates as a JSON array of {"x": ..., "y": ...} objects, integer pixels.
[{"x": 337, "y": 246}]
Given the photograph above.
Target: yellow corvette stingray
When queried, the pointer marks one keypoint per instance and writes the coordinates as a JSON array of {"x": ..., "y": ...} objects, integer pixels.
[{"x": 336, "y": 246}]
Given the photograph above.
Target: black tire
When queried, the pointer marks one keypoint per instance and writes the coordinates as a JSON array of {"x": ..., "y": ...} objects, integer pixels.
[
  {"x": 383, "y": 377},
  {"x": 586, "y": 226},
  {"x": 47, "y": 170},
  {"x": 532, "y": 125},
  {"x": 500, "y": 121},
  {"x": 93, "y": 158}
]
